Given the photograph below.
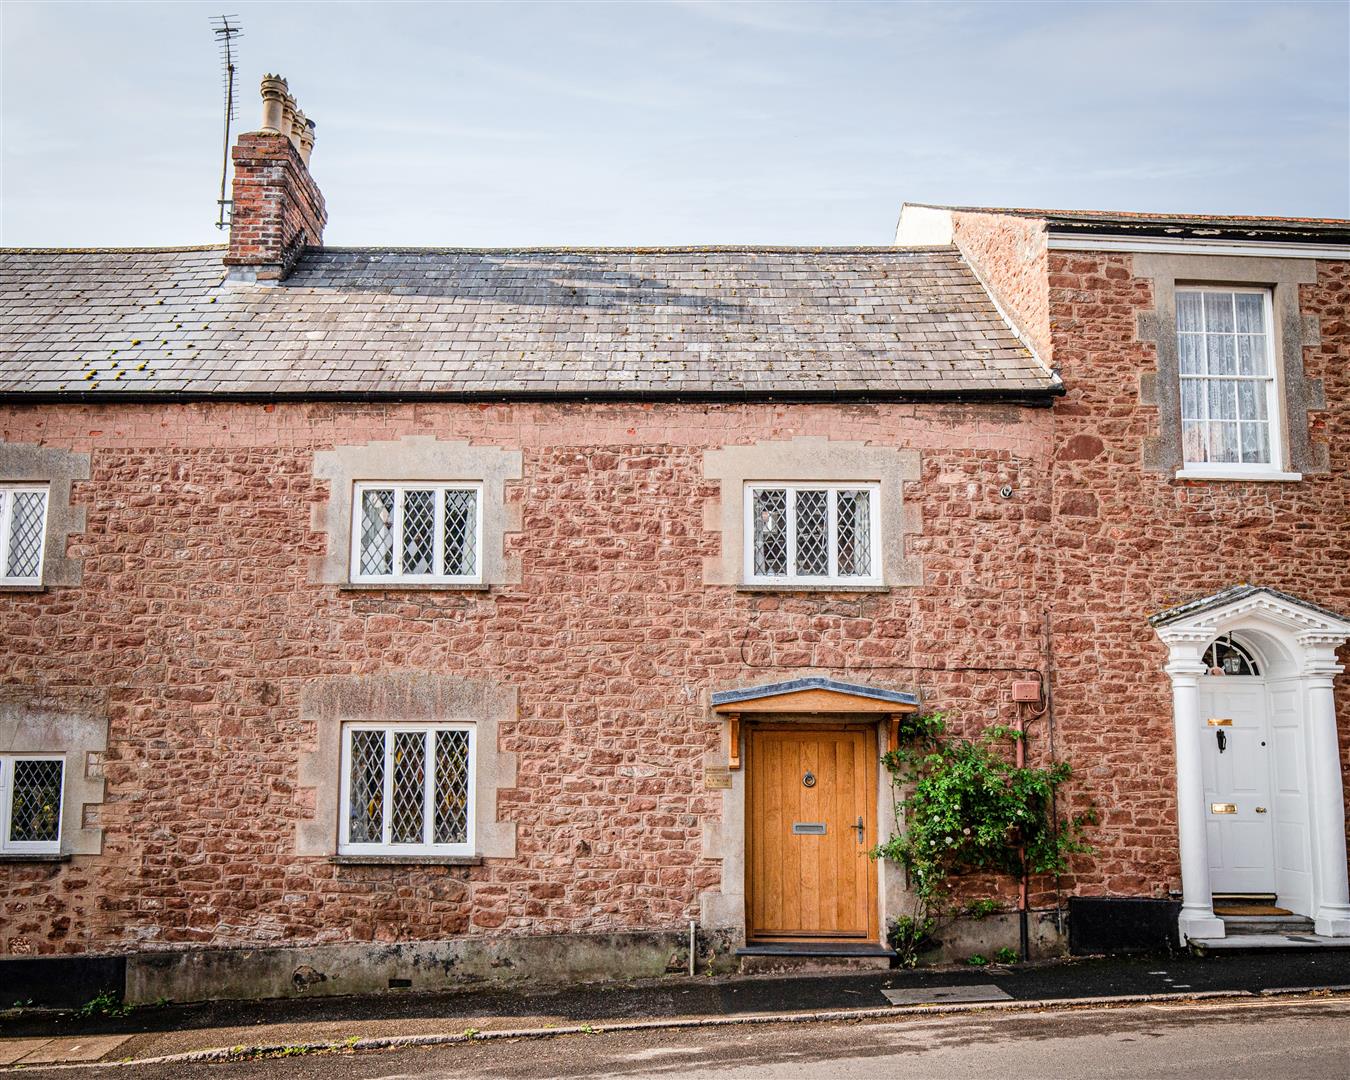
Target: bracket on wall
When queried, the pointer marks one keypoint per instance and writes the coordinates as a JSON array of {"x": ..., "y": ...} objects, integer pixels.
[
  {"x": 734, "y": 740},
  {"x": 893, "y": 734}
]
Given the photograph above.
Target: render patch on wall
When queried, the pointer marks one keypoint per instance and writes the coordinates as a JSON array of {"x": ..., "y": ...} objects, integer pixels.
[
  {"x": 58, "y": 469},
  {"x": 330, "y": 702},
  {"x": 1292, "y": 332},
  {"x": 74, "y": 724}
]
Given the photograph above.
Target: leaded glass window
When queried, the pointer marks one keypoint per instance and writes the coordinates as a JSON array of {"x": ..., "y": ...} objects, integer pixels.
[
  {"x": 23, "y": 532},
  {"x": 1229, "y": 399},
  {"x": 407, "y": 789},
  {"x": 31, "y": 788},
  {"x": 416, "y": 532},
  {"x": 812, "y": 533}
]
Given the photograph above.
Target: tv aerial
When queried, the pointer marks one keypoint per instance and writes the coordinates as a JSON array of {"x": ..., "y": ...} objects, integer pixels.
[{"x": 227, "y": 31}]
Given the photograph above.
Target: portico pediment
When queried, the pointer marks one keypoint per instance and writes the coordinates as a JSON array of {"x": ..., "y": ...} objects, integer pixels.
[{"x": 1207, "y": 616}]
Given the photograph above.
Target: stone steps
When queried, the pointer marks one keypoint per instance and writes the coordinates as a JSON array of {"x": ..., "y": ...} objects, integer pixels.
[
  {"x": 1239, "y": 925},
  {"x": 804, "y": 957}
]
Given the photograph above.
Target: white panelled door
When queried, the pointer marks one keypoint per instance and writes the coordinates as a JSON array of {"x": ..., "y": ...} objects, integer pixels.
[
  {"x": 1236, "y": 758},
  {"x": 1289, "y": 798}
]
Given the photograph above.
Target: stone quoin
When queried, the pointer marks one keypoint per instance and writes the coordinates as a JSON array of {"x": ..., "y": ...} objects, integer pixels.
[{"x": 418, "y": 617}]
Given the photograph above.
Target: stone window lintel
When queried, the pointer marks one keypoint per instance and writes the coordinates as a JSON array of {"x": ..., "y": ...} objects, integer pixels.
[
  {"x": 417, "y": 458},
  {"x": 807, "y": 458},
  {"x": 1293, "y": 331},
  {"x": 59, "y": 470}
]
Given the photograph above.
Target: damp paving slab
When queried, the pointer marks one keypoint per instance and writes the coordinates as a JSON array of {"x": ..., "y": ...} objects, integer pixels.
[{"x": 942, "y": 995}]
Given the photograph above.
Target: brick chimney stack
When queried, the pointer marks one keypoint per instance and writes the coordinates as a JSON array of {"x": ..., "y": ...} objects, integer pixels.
[{"x": 278, "y": 210}]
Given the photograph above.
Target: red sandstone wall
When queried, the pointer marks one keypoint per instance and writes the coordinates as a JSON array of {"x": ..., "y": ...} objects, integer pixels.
[
  {"x": 1128, "y": 543},
  {"x": 1009, "y": 253},
  {"x": 197, "y": 619}
]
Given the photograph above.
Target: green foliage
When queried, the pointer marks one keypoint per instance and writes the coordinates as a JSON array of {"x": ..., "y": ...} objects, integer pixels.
[
  {"x": 910, "y": 937},
  {"x": 105, "y": 1003},
  {"x": 1006, "y": 955},
  {"x": 981, "y": 909},
  {"x": 976, "y": 960},
  {"x": 969, "y": 809}
]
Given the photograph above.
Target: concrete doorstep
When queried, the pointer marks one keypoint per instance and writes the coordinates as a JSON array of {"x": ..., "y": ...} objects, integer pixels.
[{"x": 217, "y": 1044}]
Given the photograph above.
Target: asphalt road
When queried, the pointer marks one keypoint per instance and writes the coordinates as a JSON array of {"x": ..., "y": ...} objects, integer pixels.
[{"x": 1307, "y": 1039}]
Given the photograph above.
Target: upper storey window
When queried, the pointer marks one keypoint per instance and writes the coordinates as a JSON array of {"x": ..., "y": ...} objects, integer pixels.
[
  {"x": 812, "y": 533},
  {"x": 417, "y": 532},
  {"x": 23, "y": 531},
  {"x": 1229, "y": 398}
]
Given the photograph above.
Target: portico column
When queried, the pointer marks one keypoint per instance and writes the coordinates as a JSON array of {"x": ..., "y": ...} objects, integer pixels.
[
  {"x": 1197, "y": 906},
  {"x": 1332, "y": 912}
]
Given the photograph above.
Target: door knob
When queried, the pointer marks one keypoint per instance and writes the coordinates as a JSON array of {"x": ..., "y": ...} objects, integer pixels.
[{"x": 1260, "y": 809}]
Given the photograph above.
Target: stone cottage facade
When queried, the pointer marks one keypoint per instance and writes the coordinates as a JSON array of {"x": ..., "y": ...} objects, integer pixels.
[{"x": 382, "y": 617}]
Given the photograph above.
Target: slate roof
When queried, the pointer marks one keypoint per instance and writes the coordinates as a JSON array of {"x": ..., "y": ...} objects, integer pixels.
[
  {"x": 1134, "y": 222},
  {"x": 814, "y": 682},
  {"x": 518, "y": 322}
]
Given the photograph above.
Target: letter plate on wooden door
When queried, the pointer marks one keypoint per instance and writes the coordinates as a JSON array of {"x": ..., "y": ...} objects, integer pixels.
[
  {"x": 808, "y": 828},
  {"x": 1222, "y": 808}
]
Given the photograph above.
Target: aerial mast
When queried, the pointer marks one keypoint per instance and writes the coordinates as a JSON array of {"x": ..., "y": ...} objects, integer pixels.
[{"x": 227, "y": 31}]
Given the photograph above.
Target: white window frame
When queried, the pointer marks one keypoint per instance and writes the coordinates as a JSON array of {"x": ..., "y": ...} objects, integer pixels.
[
  {"x": 346, "y": 847},
  {"x": 832, "y": 578},
  {"x": 1225, "y": 470},
  {"x": 7, "y": 493},
  {"x": 399, "y": 487},
  {"x": 27, "y": 847}
]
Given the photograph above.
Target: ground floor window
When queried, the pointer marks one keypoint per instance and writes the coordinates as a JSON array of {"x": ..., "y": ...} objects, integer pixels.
[
  {"x": 407, "y": 789},
  {"x": 31, "y": 786}
]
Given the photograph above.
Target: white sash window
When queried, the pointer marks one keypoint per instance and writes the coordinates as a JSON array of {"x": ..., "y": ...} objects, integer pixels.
[
  {"x": 1230, "y": 405},
  {"x": 813, "y": 533},
  {"x": 23, "y": 533}
]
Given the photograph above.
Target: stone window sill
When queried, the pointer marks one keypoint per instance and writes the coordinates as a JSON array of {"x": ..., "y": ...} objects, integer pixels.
[
  {"x": 11, "y": 587},
  {"x": 771, "y": 587},
  {"x": 16, "y": 857},
  {"x": 1200, "y": 473},
  {"x": 407, "y": 860},
  {"x": 413, "y": 586}
]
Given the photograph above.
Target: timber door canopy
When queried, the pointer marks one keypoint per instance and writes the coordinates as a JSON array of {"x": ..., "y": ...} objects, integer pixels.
[
  {"x": 814, "y": 695},
  {"x": 811, "y": 696}
]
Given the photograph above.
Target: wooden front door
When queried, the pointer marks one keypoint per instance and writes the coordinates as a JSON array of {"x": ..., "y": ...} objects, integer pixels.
[{"x": 810, "y": 821}]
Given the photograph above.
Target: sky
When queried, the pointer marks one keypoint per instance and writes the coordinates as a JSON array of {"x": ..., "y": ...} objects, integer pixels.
[{"x": 493, "y": 124}]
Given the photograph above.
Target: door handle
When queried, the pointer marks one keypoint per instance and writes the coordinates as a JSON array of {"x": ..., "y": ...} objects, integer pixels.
[
  {"x": 862, "y": 830},
  {"x": 1260, "y": 809}
]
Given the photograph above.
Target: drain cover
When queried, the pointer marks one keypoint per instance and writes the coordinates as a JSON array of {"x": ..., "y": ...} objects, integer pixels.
[{"x": 940, "y": 995}]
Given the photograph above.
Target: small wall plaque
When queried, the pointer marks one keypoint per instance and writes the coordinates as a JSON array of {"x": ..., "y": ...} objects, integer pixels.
[{"x": 717, "y": 778}]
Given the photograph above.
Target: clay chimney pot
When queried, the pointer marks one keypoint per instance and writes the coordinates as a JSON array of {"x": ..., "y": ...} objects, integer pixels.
[
  {"x": 288, "y": 111},
  {"x": 307, "y": 141},
  {"x": 274, "y": 95}
]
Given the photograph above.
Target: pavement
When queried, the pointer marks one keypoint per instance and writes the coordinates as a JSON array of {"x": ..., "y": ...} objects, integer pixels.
[{"x": 184, "y": 1034}]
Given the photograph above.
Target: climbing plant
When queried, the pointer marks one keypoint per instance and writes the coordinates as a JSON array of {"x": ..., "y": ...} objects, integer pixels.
[{"x": 965, "y": 807}]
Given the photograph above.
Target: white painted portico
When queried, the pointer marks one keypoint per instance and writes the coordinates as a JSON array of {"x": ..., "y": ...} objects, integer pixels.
[{"x": 1299, "y": 642}]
